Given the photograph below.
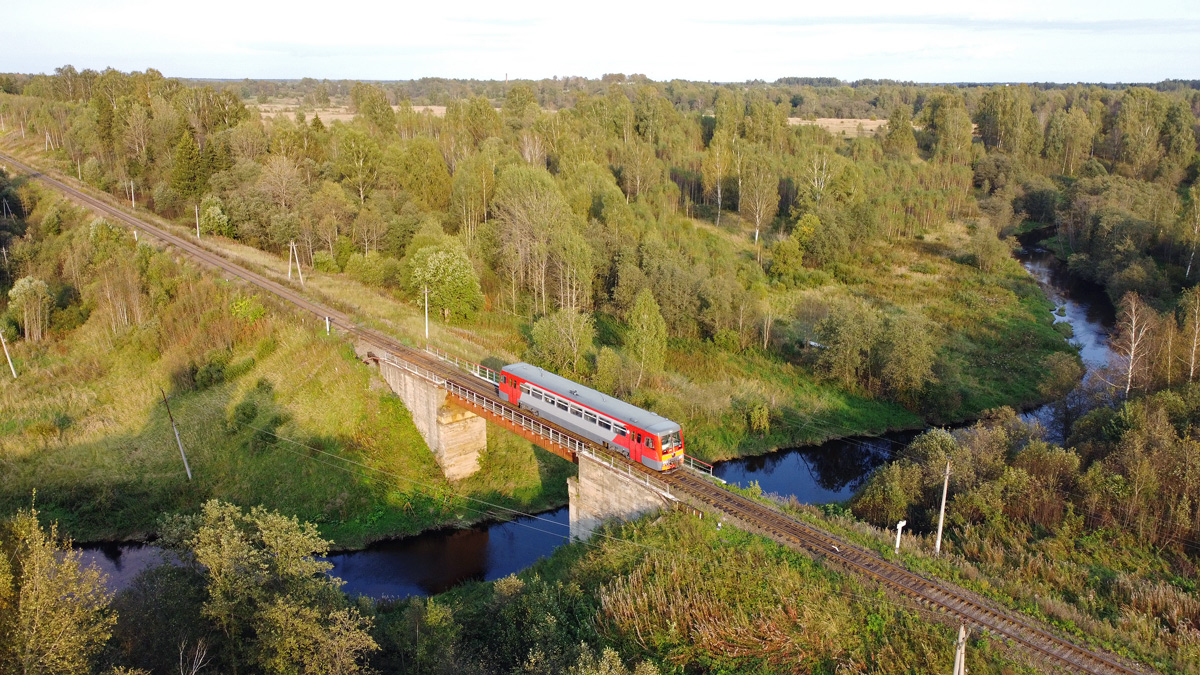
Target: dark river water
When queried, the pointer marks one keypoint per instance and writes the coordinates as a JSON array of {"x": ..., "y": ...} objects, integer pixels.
[{"x": 433, "y": 562}]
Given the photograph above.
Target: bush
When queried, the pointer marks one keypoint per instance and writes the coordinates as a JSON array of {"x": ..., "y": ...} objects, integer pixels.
[
  {"x": 244, "y": 414},
  {"x": 323, "y": 262}
]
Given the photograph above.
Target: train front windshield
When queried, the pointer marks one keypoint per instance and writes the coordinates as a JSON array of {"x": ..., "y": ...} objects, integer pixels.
[{"x": 671, "y": 441}]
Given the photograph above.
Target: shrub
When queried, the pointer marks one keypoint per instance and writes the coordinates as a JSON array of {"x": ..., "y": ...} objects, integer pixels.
[{"x": 323, "y": 262}]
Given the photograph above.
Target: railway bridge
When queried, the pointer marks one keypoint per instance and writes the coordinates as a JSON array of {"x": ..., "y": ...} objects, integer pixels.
[{"x": 452, "y": 397}]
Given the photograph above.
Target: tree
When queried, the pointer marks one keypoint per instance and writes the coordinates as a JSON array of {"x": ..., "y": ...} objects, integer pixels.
[
  {"x": 948, "y": 126},
  {"x": 646, "y": 338},
  {"x": 213, "y": 219},
  {"x": 715, "y": 167},
  {"x": 1069, "y": 140},
  {"x": 189, "y": 176},
  {"x": 267, "y": 590},
  {"x": 332, "y": 211},
  {"x": 54, "y": 613},
  {"x": 608, "y": 371},
  {"x": 561, "y": 340},
  {"x": 358, "y": 157},
  {"x": 759, "y": 196},
  {"x": 32, "y": 298},
  {"x": 281, "y": 182},
  {"x": 899, "y": 139},
  {"x": 848, "y": 338},
  {"x": 1132, "y": 343},
  {"x": 450, "y": 279},
  {"x": 1190, "y": 301},
  {"x": 909, "y": 353},
  {"x": 369, "y": 227},
  {"x": 418, "y": 168},
  {"x": 1139, "y": 122}
]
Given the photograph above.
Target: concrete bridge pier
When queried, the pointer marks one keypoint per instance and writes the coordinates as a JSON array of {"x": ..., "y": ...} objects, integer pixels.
[
  {"x": 455, "y": 435},
  {"x": 602, "y": 492}
]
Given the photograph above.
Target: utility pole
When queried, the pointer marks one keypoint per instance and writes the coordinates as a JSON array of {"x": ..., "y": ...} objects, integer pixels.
[
  {"x": 327, "y": 325},
  {"x": 427, "y": 313},
  {"x": 10, "y": 363},
  {"x": 132, "y": 196},
  {"x": 937, "y": 549},
  {"x": 299, "y": 269},
  {"x": 960, "y": 652},
  {"x": 197, "y": 221},
  {"x": 899, "y": 528},
  {"x": 176, "y": 430},
  {"x": 294, "y": 252}
]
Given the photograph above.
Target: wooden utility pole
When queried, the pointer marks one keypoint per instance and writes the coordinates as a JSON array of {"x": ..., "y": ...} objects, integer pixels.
[
  {"x": 937, "y": 549},
  {"x": 10, "y": 363},
  {"x": 176, "y": 430},
  {"x": 960, "y": 652}
]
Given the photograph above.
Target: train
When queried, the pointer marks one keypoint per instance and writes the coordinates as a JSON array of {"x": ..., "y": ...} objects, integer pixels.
[{"x": 640, "y": 435}]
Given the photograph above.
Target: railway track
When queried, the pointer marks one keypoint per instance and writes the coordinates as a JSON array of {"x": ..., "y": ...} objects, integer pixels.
[
  {"x": 782, "y": 528},
  {"x": 752, "y": 515}
]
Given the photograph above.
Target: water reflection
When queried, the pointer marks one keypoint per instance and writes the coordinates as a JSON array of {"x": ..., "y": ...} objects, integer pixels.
[
  {"x": 426, "y": 564},
  {"x": 821, "y": 474}
]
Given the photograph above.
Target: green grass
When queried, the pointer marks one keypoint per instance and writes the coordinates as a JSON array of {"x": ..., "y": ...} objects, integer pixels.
[
  {"x": 675, "y": 591},
  {"x": 110, "y": 465}
]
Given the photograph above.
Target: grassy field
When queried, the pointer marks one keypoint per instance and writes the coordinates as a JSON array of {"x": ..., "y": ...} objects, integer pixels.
[{"x": 273, "y": 412}]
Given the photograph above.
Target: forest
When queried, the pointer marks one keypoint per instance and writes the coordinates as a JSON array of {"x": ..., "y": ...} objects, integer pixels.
[
  {"x": 753, "y": 235},
  {"x": 710, "y": 251}
]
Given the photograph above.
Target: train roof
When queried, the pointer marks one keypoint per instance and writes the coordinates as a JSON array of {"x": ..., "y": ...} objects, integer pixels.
[{"x": 600, "y": 402}]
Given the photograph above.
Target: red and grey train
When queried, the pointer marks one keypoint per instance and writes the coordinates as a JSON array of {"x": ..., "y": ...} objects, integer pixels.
[{"x": 639, "y": 434}]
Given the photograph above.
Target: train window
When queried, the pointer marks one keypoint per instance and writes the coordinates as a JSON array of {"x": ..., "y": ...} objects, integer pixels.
[
  {"x": 549, "y": 399},
  {"x": 576, "y": 411},
  {"x": 524, "y": 388},
  {"x": 589, "y": 417},
  {"x": 562, "y": 405},
  {"x": 637, "y": 437},
  {"x": 621, "y": 431},
  {"x": 605, "y": 425},
  {"x": 536, "y": 394},
  {"x": 503, "y": 379}
]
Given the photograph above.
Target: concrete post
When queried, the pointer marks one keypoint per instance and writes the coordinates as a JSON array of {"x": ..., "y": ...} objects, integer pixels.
[{"x": 899, "y": 527}]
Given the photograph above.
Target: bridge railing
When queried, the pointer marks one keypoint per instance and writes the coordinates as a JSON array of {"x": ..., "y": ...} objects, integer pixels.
[
  {"x": 480, "y": 371},
  {"x": 528, "y": 422},
  {"x": 697, "y": 465}
]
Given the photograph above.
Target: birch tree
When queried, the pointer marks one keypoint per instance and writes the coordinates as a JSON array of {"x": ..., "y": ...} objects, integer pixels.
[
  {"x": 1132, "y": 343},
  {"x": 31, "y": 297},
  {"x": 1190, "y": 350},
  {"x": 715, "y": 168},
  {"x": 759, "y": 198}
]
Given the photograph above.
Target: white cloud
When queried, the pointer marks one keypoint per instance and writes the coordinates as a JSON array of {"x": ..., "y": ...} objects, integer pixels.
[{"x": 1102, "y": 40}]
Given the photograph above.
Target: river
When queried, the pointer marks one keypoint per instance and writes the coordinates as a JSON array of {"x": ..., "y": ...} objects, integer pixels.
[{"x": 433, "y": 562}]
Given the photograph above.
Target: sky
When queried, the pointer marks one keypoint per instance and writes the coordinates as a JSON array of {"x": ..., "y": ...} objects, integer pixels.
[{"x": 927, "y": 41}]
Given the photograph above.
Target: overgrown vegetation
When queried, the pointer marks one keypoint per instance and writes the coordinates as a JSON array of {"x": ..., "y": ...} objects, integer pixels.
[
  {"x": 1098, "y": 536},
  {"x": 270, "y": 411},
  {"x": 669, "y": 593}
]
